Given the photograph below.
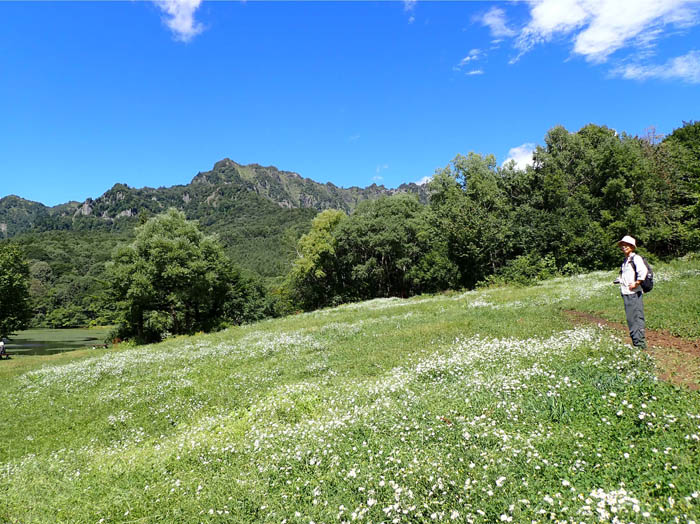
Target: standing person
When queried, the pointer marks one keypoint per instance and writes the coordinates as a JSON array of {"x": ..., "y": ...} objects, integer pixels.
[
  {"x": 2, "y": 348},
  {"x": 632, "y": 272}
]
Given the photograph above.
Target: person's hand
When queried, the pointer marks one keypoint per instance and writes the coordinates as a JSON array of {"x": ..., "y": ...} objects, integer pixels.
[{"x": 634, "y": 285}]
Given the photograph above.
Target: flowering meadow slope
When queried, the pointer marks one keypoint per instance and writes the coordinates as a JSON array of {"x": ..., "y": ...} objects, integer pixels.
[{"x": 486, "y": 406}]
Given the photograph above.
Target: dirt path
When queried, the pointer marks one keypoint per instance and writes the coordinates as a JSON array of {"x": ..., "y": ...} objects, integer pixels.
[{"x": 677, "y": 359}]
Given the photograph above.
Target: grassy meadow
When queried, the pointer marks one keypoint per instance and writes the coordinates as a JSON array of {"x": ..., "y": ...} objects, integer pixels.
[{"x": 485, "y": 406}]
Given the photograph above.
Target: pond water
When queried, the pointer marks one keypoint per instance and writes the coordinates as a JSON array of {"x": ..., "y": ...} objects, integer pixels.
[{"x": 49, "y": 341}]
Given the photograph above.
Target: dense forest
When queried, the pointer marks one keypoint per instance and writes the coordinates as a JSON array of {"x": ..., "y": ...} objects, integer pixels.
[
  {"x": 486, "y": 223},
  {"x": 309, "y": 245}
]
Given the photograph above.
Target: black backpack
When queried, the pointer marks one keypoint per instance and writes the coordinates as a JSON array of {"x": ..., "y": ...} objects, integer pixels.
[{"x": 648, "y": 283}]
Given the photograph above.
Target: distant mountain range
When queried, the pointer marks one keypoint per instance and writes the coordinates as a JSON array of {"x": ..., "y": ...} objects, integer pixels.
[{"x": 223, "y": 194}]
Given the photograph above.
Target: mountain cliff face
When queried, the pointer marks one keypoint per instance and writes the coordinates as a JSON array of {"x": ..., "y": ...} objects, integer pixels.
[
  {"x": 289, "y": 189},
  {"x": 227, "y": 186}
]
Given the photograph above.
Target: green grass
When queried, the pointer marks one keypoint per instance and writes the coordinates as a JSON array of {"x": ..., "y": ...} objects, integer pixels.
[
  {"x": 672, "y": 305},
  {"x": 475, "y": 407}
]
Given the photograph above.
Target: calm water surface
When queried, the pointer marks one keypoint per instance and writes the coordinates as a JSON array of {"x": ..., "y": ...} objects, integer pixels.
[{"x": 49, "y": 341}]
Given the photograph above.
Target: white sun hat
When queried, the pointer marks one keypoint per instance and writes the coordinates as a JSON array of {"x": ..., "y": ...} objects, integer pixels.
[{"x": 628, "y": 240}]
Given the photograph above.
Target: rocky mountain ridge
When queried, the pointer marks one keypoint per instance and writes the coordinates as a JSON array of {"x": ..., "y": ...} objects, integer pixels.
[{"x": 208, "y": 193}]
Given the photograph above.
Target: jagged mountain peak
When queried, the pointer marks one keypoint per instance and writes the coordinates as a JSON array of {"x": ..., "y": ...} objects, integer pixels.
[{"x": 208, "y": 194}]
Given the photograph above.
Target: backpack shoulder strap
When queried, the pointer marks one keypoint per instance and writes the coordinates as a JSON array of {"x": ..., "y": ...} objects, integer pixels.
[{"x": 636, "y": 274}]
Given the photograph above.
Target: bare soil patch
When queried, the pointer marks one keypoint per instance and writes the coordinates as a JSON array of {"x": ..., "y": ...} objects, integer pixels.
[{"x": 677, "y": 359}]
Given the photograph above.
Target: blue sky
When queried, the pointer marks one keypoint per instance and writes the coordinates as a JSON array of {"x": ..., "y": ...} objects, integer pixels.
[{"x": 150, "y": 93}]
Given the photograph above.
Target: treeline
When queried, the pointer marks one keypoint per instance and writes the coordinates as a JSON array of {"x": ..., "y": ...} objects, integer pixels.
[
  {"x": 486, "y": 223},
  {"x": 68, "y": 267},
  {"x": 483, "y": 223}
]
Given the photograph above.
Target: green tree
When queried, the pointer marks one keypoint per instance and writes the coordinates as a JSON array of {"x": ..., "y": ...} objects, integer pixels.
[
  {"x": 390, "y": 247},
  {"x": 15, "y": 310},
  {"x": 174, "y": 279},
  {"x": 677, "y": 161},
  {"x": 315, "y": 279},
  {"x": 387, "y": 247},
  {"x": 473, "y": 212},
  {"x": 596, "y": 185}
]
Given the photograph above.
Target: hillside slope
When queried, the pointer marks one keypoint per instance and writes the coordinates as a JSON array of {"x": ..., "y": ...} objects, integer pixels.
[{"x": 486, "y": 406}]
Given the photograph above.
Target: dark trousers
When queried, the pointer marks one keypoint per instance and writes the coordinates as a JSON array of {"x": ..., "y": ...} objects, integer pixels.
[{"x": 634, "y": 310}]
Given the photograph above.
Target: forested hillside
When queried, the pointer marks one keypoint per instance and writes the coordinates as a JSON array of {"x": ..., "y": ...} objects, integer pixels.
[
  {"x": 476, "y": 222},
  {"x": 258, "y": 213},
  {"x": 228, "y": 187}
]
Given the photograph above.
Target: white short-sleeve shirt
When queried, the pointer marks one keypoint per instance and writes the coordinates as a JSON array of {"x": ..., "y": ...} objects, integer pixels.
[{"x": 628, "y": 275}]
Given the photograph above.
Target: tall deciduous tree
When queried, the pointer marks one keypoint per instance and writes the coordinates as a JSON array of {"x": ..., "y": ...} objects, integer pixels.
[
  {"x": 174, "y": 280},
  {"x": 678, "y": 163},
  {"x": 389, "y": 247},
  {"x": 316, "y": 279},
  {"x": 473, "y": 212},
  {"x": 15, "y": 311}
]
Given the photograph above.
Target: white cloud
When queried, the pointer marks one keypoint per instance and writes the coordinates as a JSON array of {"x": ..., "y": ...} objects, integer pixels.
[
  {"x": 686, "y": 68},
  {"x": 379, "y": 169},
  {"x": 424, "y": 180},
  {"x": 598, "y": 28},
  {"x": 180, "y": 18},
  {"x": 521, "y": 155},
  {"x": 474, "y": 54},
  {"x": 495, "y": 20},
  {"x": 408, "y": 7}
]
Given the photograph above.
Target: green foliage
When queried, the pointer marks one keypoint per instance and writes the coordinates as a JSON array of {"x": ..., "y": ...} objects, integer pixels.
[
  {"x": 677, "y": 160},
  {"x": 174, "y": 279},
  {"x": 484, "y": 223},
  {"x": 387, "y": 247},
  {"x": 527, "y": 269},
  {"x": 584, "y": 191},
  {"x": 315, "y": 278},
  {"x": 256, "y": 234},
  {"x": 15, "y": 311},
  {"x": 68, "y": 276},
  {"x": 473, "y": 213}
]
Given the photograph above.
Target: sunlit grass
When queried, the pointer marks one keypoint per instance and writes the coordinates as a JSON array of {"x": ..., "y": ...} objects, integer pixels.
[
  {"x": 485, "y": 406},
  {"x": 673, "y": 305}
]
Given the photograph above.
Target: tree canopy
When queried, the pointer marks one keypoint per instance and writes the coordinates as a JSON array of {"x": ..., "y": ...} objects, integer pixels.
[
  {"x": 387, "y": 247},
  {"x": 562, "y": 214},
  {"x": 174, "y": 279},
  {"x": 15, "y": 310}
]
